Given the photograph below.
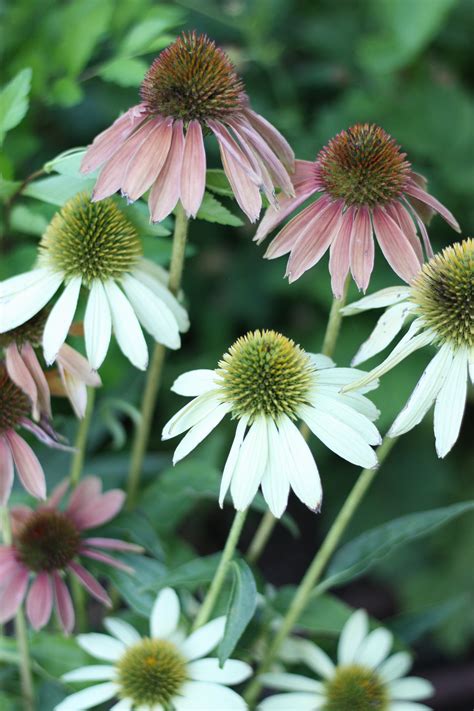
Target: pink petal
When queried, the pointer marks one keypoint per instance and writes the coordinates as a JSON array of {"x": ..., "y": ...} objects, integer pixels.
[
  {"x": 32, "y": 362},
  {"x": 19, "y": 515},
  {"x": 233, "y": 150},
  {"x": 63, "y": 603},
  {"x": 311, "y": 247},
  {"x": 403, "y": 219},
  {"x": 107, "y": 559},
  {"x": 89, "y": 489},
  {"x": 21, "y": 376},
  {"x": 147, "y": 162},
  {"x": 113, "y": 544},
  {"x": 39, "y": 602},
  {"x": 424, "y": 235},
  {"x": 288, "y": 237},
  {"x": 166, "y": 189},
  {"x": 113, "y": 173},
  {"x": 362, "y": 248},
  {"x": 78, "y": 366},
  {"x": 109, "y": 141},
  {"x": 273, "y": 137},
  {"x": 90, "y": 583},
  {"x": 27, "y": 465},
  {"x": 6, "y": 471},
  {"x": 339, "y": 259},
  {"x": 9, "y": 564},
  {"x": 54, "y": 499},
  {"x": 245, "y": 191},
  {"x": 428, "y": 199},
  {"x": 193, "y": 170},
  {"x": 76, "y": 392},
  {"x": 395, "y": 246},
  {"x": 258, "y": 166},
  {"x": 100, "y": 510},
  {"x": 12, "y": 594}
]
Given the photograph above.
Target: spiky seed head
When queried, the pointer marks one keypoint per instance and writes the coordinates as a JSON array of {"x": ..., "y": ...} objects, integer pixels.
[
  {"x": 48, "y": 541},
  {"x": 356, "y": 688},
  {"x": 14, "y": 404},
  {"x": 265, "y": 373},
  {"x": 92, "y": 240},
  {"x": 29, "y": 332},
  {"x": 193, "y": 79},
  {"x": 151, "y": 673},
  {"x": 363, "y": 166},
  {"x": 444, "y": 294}
]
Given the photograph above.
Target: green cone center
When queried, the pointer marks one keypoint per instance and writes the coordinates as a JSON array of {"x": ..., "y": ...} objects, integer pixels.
[{"x": 356, "y": 688}]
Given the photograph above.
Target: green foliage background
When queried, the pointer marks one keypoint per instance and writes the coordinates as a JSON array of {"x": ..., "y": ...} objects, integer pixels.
[{"x": 312, "y": 67}]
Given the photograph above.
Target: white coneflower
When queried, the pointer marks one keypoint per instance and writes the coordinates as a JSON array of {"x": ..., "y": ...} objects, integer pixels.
[
  {"x": 95, "y": 246},
  {"x": 163, "y": 671},
  {"x": 442, "y": 300},
  {"x": 364, "y": 677},
  {"x": 267, "y": 382}
]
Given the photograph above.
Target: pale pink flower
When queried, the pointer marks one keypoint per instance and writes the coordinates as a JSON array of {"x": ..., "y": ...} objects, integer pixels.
[
  {"x": 365, "y": 186},
  {"x": 47, "y": 544},
  {"x": 190, "y": 90}
]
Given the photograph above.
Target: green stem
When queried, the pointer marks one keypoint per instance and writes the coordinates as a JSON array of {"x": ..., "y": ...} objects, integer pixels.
[
  {"x": 155, "y": 369},
  {"x": 268, "y": 522},
  {"x": 221, "y": 572},
  {"x": 81, "y": 439},
  {"x": 320, "y": 561}
]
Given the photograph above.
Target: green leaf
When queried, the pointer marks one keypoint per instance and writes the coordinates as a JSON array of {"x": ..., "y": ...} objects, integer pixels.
[
  {"x": 68, "y": 163},
  {"x": 57, "y": 654},
  {"x": 216, "y": 180},
  {"x": 144, "y": 35},
  {"x": 124, "y": 71},
  {"x": 66, "y": 92},
  {"x": 242, "y": 604},
  {"x": 138, "y": 213},
  {"x": 14, "y": 101},
  {"x": 365, "y": 551},
  {"x": 8, "y": 188},
  {"x": 324, "y": 614},
  {"x": 83, "y": 24},
  {"x": 24, "y": 219},
  {"x": 189, "y": 575},
  {"x": 411, "y": 626},
  {"x": 212, "y": 210},
  {"x": 136, "y": 526},
  {"x": 135, "y": 589},
  {"x": 57, "y": 189}
]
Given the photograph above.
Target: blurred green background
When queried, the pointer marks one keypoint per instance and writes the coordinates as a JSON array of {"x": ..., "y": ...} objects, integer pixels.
[{"x": 313, "y": 68}]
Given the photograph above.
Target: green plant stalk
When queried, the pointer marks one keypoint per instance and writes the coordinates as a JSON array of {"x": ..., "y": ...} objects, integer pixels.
[
  {"x": 155, "y": 368},
  {"x": 81, "y": 439},
  {"x": 221, "y": 572},
  {"x": 333, "y": 328},
  {"x": 321, "y": 559}
]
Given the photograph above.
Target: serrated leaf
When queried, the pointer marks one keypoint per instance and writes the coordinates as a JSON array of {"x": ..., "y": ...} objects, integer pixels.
[
  {"x": 212, "y": 210},
  {"x": 216, "y": 180},
  {"x": 124, "y": 71},
  {"x": 57, "y": 189},
  {"x": 14, "y": 101},
  {"x": 242, "y": 605}
]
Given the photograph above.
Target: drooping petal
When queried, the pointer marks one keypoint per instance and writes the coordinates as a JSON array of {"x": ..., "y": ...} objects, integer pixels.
[
  {"x": 378, "y": 300},
  {"x": 114, "y": 544},
  {"x": 107, "y": 559},
  {"x": 166, "y": 189},
  {"x": 348, "y": 415},
  {"x": 402, "y": 217},
  {"x": 156, "y": 280},
  {"x": 388, "y": 326},
  {"x": 88, "y": 697},
  {"x": 428, "y": 199},
  {"x": 27, "y": 302},
  {"x": 275, "y": 480},
  {"x": 193, "y": 170},
  {"x": 339, "y": 254},
  {"x": 200, "y": 431},
  {"x": 302, "y": 470},
  {"x": 59, "y": 320},
  {"x": 97, "y": 325},
  {"x": 152, "y": 313},
  {"x": 27, "y": 465},
  {"x": 246, "y": 192},
  {"x": 450, "y": 403},
  {"x": 234, "y": 151},
  {"x": 395, "y": 246},
  {"x": 362, "y": 248},
  {"x": 195, "y": 382},
  {"x": 165, "y": 614},
  {"x": 78, "y": 366},
  {"x": 250, "y": 465},
  {"x": 212, "y": 697},
  {"x": 12, "y": 593},
  {"x": 297, "y": 227},
  {"x": 63, "y": 603},
  {"x": 39, "y": 602},
  {"x": 232, "y": 458},
  {"x": 6, "y": 471},
  {"x": 90, "y": 583},
  {"x": 20, "y": 374},
  {"x": 275, "y": 140},
  {"x": 192, "y": 413},
  {"x": 44, "y": 398},
  {"x": 126, "y": 327},
  {"x": 148, "y": 161}
]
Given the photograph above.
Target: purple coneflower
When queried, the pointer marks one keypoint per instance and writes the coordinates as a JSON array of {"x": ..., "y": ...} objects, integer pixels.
[
  {"x": 47, "y": 543},
  {"x": 367, "y": 186},
  {"x": 190, "y": 90}
]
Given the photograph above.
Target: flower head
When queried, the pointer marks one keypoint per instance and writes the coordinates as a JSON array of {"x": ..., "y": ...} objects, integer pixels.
[
  {"x": 267, "y": 382},
  {"x": 366, "y": 186},
  {"x": 47, "y": 543},
  {"x": 364, "y": 677},
  {"x": 441, "y": 298},
  {"x": 164, "y": 670},
  {"x": 190, "y": 90},
  {"x": 96, "y": 247}
]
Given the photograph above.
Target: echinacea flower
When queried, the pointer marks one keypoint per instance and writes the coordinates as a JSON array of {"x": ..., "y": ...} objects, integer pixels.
[
  {"x": 166, "y": 670},
  {"x": 266, "y": 382},
  {"x": 366, "y": 186},
  {"x": 47, "y": 544},
  {"x": 364, "y": 677},
  {"x": 441, "y": 299},
  {"x": 95, "y": 246},
  {"x": 73, "y": 370},
  {"x": 190, "y": 90}
]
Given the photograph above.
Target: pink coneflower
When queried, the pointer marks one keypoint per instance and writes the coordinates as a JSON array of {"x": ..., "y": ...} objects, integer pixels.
[
  {"x": 47, "y": 543},
  {"x": 366, "y": 186},
  {"x": 190, "y": 90}
]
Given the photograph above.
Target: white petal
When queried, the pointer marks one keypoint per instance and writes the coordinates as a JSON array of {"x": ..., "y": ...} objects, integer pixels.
[
  {"x": 60, "y": 319},
  {"x": 395, "y": 666},
  {"x": 320, "y": 361},
  {"x": 250, "y": 465},
  {"x": 471, "y": 365},
  {"x": 450, "y": 404},
  {"x": 424, "y": 394},
  {"x": 122, "y": 705},
  {"x": 360, "y": 403},
  {"x": 195, "y": 382},
  {"x": 97, "y": 672},
  {"x": 291, "y": 682},
  {"x": 375, "y": 648},
  {"x": 165, "y": 614},
  {"x": 101, "y": 646},
  {"x": 411, "y": 688},
  {"x": 292, "y": 702},
  {"x": 126, "y": 327},
  {"x": 191, "y": 414},
  {"x": 387, "y": 327},
  {"x": 340, "y": 438},
  {"x": 199, "y": 696},
  {"x": 204, "y": 639},
  {"x": 87, "y": 698},
  {"x": 337, "y": 408},
  {"x": 152, "y": 313},
  {"x": 29, "y": 300},
  {"x": 275, "y": 481},
  {"x": 122, "y": 630},
  {"x": 353, "y": 634},
  {"x": 316, "y": 659},
  {"x": 200, "y": 431},
  {"x": 379, "y": 300},
  {"x": 337, "y": 377},
  {"x": 408, "y": 706},
  {"x": 156, "y": 279},
  {"x": 232, "y": 459},
  {"x": 97, "y": 325},
  {"x": 302, "y": 470},
  {"x": 21, "y": 282},
  {"x": 233, "y": 671}
]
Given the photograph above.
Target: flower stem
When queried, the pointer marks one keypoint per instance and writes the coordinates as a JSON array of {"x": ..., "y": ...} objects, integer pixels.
[
  {"x": 221, "y": 572},
  {"x": 320, "y": 561},
  {"x": 81, "y": 439},
  {"x": 155, "y": 369},
  {"x": 268, "y": 522}
]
